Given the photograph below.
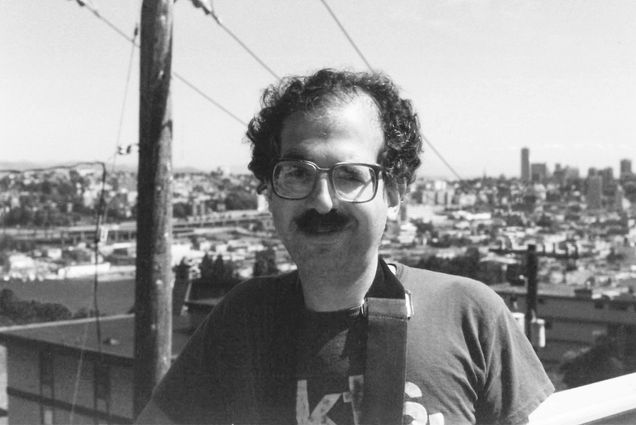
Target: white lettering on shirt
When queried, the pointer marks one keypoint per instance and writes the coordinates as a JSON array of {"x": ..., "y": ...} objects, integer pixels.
[{"x": 416, "y": 413}]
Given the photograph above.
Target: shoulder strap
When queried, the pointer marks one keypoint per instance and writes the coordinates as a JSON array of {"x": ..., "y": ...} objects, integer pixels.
[{"x": 385, "y": 371}]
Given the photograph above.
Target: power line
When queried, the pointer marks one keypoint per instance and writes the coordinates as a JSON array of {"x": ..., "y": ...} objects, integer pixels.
[
  {"x": 439, "y": 155},
  {"x": 353, "y": 44},
  {"x": 247, "y": 49},
  {"x": 123, "y": 105},
  {"x": 346, "y": 34},
  {"x": 208, "y": 98},
  {"x": 174, "y": 74},
  {"x": 114, "y": 27},
  {"x": 100, "y": 215},
  {"x": 208, "y": 8}
]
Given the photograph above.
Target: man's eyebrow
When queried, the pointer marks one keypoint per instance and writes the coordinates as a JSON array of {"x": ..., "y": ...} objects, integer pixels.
[{"x": 293, "y": 154}]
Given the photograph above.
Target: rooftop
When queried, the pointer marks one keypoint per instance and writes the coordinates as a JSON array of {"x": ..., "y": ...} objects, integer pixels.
[{"x": 117, "y": 334}]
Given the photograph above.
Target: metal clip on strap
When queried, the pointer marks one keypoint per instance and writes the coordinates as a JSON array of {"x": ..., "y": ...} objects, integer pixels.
[{"x": 385, "y": 371}]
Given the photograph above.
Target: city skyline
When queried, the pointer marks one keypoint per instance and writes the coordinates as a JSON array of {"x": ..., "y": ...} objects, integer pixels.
[
  {"x": 526, "y": 165},
  {"x": 487, "y": 78}
]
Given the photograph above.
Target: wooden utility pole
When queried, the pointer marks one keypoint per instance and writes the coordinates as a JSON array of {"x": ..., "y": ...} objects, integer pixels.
[{"x": 153, "y": 291}]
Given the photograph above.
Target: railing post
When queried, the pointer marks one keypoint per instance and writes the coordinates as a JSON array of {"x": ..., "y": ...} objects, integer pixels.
[{"x": 531, "y": 297}]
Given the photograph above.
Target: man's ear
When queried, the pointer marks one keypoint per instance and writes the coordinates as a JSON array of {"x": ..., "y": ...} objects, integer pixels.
[{"x": 395, "y": 194}]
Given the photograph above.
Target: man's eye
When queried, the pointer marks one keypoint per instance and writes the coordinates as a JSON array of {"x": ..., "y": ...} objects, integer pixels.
[
  {"x": 296, "y": 173},
  {"x": 353, "y": 174}
]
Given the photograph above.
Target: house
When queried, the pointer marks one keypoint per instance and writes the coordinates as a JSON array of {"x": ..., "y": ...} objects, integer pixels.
[
  {"x": 574, "y": 319},
  {"x": 58, "y": 373}
]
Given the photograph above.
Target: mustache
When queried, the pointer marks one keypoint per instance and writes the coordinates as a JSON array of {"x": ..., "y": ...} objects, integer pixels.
[{"x": 312, "y": 220}]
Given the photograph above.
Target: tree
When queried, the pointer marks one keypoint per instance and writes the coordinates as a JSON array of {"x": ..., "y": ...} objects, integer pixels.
[
  {"x": 181, "y": 210},
  {"x": 205, "y": 267},
  {"x": 240, "y": 200},
  {"x": 265, "y": 263},
  {"x": 15, "y": 310},
  {"x": 8, "y": 243},
  {"x": 217, "y": 277},
  {"x": 50, "y": 312},
  {"x": 218, "y": 270},
  {"x": 463, "y": 265},
  {"x": 593, "y": 364},
  {"x": 614, "y": 257},
  {"x": 7, "y": 298},
  {"x": 422, "y": 227}
]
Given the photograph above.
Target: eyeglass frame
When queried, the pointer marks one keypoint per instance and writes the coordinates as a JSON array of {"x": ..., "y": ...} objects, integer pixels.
[{"x": 378, "y": 171}]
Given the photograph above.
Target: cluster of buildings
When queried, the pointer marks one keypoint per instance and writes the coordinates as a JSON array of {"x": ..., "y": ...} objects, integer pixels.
[{"x": 49, "y": 218}]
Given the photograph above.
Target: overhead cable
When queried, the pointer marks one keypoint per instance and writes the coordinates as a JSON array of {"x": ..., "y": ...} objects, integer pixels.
[
  {"x": 439, "y": 155},
  {"x": 353, "y": 44},
  {"x": 114, "y": 27},
  {"x": 346, "y": 34},
  {"x": 208, "y": 98},
  {"x": 118, "y": 146},
  {"x": 100, "y": 215},
  {"x": 208, "y": 8},
  {"x": 174, "y": 74}
]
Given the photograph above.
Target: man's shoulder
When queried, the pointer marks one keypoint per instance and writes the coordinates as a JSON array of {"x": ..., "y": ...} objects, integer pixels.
[
  {"x": 444, "y": 287},
  {"x": 414, "y": 277}
]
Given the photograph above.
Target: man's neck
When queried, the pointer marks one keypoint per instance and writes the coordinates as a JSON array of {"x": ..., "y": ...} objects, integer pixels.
[{"x": 334, "y": 288}]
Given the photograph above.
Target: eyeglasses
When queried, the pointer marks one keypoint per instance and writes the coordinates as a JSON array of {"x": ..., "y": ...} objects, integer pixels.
[{"x": 351, "y": 182}]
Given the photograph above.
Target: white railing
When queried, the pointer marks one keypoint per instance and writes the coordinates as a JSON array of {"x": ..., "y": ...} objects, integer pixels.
[{"x": 606, "y": 402}]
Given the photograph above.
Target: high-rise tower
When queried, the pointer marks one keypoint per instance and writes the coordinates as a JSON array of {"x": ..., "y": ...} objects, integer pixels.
[
  {"x": 595, "y": 192},
  {"x": 626, "y": 168},
  {"x": 525, "y": 164}
]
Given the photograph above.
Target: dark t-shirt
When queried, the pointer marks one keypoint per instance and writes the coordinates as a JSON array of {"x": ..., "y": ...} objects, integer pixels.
[
  {"x": 260, "y": 357},
  {"x": 330, "y": 365}
]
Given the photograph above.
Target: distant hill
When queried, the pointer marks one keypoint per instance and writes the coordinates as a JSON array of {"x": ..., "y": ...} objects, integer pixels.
[
  {"x": 121, "y": 166},
  {"x": 27, "y": 165},
  {"x": 20, "y": 165}
]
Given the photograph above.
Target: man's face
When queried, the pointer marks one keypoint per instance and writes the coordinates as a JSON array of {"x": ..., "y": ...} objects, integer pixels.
[{"x": 321, "y": 230}]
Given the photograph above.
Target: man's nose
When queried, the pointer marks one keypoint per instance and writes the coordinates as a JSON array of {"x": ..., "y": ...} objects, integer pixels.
[{"x": 322, "y": 198}]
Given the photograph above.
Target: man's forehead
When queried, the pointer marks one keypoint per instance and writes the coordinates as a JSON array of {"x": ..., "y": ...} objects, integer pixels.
[{"x": 331, "y": 111}]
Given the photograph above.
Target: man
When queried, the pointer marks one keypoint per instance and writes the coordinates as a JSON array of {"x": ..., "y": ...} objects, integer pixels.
[{"x": 334, "y": 152}]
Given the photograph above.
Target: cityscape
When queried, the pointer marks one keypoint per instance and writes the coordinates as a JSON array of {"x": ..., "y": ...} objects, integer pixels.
[{"x": 55, "y": 258}]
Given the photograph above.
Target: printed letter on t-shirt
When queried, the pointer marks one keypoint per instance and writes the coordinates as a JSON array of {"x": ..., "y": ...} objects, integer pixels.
[
  {"x": 415, "y": 413},
  {"x": 319, "y": 414}
]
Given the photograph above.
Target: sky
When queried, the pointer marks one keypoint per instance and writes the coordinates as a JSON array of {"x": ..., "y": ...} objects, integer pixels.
[{"x": 487, "y": 77}]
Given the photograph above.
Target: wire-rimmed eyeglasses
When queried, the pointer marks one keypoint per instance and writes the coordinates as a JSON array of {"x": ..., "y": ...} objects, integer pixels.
[{"x": 296, "y": 179}]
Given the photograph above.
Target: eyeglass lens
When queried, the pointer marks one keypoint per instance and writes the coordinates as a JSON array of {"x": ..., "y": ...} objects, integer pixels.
[{"x": 351, "y": 182}]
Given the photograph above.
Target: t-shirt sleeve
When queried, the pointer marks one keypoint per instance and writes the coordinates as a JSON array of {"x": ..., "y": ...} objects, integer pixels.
[
  {"x": 190, "y": 391},
  {"x": 516, "y": 382}
]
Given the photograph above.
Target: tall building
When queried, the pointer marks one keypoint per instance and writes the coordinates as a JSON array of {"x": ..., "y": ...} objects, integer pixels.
[
  {"x": 626, "y": 167},
  {"x": 595, "y": 192},
  {"x": 525, "y": 164},
  {"x": 608, "y": 177},
  {"x": 539, "y": 172},
  {"x": 619, "y": 194}
]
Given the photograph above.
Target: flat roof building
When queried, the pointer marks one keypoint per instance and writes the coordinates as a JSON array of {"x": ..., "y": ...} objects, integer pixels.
[{"x": 57, "y": 372}]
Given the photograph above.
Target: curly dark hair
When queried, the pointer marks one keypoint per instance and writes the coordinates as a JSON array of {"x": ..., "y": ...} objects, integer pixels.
[{"x": 403, "y": 142}]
